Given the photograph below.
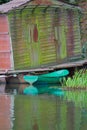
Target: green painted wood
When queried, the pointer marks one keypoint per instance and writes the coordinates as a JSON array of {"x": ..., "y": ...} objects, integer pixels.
[
  {"x": 20, "y": 50},
  {"x": 77, "y": 37},
  {"x": 47, "y": 45},
  {"x": 50, "y": 45},
  {"x": 62, "y": 34}
]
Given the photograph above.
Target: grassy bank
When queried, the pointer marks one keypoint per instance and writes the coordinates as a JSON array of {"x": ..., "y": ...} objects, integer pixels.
[{"x": 78, "y": 80}]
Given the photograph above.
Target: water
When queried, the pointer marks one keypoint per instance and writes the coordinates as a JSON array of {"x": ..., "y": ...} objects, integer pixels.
[{"x": 44, "y": 111}]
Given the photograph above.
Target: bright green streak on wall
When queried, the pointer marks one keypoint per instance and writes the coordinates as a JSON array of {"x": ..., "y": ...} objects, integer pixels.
[{"x": 62, "y": 36}]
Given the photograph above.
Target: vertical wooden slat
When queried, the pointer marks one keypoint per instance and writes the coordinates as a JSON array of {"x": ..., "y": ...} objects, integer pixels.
[
  {"x": 60, "y": 34},
  {"x": 70, "y": 37},
  {"x": 77, "y": 37},
  {"x": 20, "y": 49},
  {"x": 46, "y": 36}
]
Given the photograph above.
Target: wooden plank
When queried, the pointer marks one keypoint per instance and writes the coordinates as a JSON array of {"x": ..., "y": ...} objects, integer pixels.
[
  {"x": 30, "y": 70},
  {"x": 70, "y": 64},
  {"x": 45, "y": 68}
]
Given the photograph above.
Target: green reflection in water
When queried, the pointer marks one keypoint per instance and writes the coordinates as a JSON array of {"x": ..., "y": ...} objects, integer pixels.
[
  {"x": 78, "y": 97},
  {"x": 35, "y": 113},
  {"x": 48, "y": 112}
]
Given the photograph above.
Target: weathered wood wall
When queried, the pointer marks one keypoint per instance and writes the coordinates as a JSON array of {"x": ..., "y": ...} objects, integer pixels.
[
  {"x": 83, "y": 24},
  {"x": 44, "y": 37}
]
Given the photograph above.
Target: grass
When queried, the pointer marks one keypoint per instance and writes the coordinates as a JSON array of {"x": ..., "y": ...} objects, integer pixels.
[{"x": 79, "y": 79}]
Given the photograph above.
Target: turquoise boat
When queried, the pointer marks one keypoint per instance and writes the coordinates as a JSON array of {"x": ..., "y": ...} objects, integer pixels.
[
  {"x": 51, "y": 77},
  {"x": 30, "y": 78}
]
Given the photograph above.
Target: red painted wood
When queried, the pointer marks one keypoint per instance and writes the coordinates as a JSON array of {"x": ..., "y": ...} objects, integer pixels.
[
  {"x": 35, "y": 34},
  {"x": 5, "y": 61}
]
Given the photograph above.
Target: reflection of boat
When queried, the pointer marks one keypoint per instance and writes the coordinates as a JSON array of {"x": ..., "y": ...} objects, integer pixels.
[
  {"x": 30, "y": 78},
  {"x": 45, "y": 89},
  {"x": 56, "y": 91},
  {"x": 52, "y": 77},
  {"x": 30, "y": 90}
]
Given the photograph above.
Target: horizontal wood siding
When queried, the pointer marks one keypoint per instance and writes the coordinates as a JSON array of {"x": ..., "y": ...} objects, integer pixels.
[
  {"x": 60, "y": 34},
  {"x": 30, "y": 51},
  {"x": 77, "y": 35},
  {"x": 46, "y": 38},
  {"x": 43, "y": 36},
  {"x": 20, "y": 48},
  {"x": 5, "y": 49},
  {"x": 73, "y": 35}
]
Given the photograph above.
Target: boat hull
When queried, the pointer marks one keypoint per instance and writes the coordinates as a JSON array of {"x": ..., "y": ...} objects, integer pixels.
[
  {"x": 53, "y": 77},
  {"x": 48, "y": 80}
]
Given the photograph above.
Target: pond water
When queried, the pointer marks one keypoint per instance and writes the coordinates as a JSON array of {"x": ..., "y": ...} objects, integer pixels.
[{"x": 44, "y": 111}]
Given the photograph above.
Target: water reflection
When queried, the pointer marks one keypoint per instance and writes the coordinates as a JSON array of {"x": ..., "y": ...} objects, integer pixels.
[
  {"x": 5, "y": 112},
  {"x": 44, "y": 111},
  {"x": 41, "y": 88},
  {"x": 78, "y": 97},
  {"x": 47, "y": 112},
  {"x": 2, "y": 87},
  {"x": 30, "y": 90}
]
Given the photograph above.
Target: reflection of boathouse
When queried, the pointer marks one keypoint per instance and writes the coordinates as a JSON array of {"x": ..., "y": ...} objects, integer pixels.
[
  {"x": 50, "y": 113},
  {"x": 38, "y": 33}
]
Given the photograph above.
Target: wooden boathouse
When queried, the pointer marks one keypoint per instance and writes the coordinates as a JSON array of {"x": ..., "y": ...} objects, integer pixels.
[{"x": 38, "y": 34}]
